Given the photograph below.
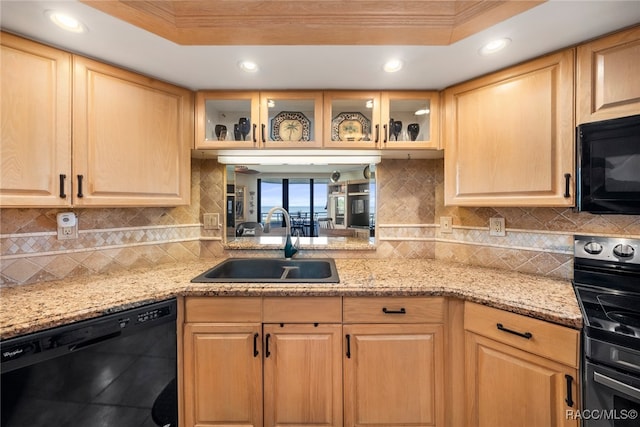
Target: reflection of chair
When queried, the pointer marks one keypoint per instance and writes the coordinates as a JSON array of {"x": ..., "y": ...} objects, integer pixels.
[
  {"x": 297, "y": 227},
  {"x": 249, "y": 229},
  {"x": 325, "y": 223}
]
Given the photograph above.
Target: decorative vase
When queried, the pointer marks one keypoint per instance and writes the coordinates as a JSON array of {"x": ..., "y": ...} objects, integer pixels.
[
  {"x": 414, "y": 130},
  {"x": 397, "y": 128},
  {"x": 236, "y": 132},
  {"x": 221, "y": 132},
  {"x": 244, "y": 126}
]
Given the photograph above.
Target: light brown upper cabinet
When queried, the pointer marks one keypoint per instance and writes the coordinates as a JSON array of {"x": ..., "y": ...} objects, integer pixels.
[
  {"x": 258, "y": 119},
  {"x": 352, "y": 119},
  {"x": 36, "y": 124},
  {"x": 509, "y": 136},
  {"x": 410, "y": 120},
  {"x": 131, "y": 138},
  {"x": 608, "y": 83},
  {"x": 131, "y": 134}
]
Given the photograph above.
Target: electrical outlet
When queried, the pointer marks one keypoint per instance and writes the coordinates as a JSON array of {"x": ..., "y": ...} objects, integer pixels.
[
  {"x": 67, "y": 226},
  {"x": 446, "y": 224},
  {"x": 497, "y": 227},
  {"x": 211, "y": 221}
]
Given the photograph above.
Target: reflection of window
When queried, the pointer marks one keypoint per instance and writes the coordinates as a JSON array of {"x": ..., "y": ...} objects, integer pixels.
[{"x": 305, "y": 199}]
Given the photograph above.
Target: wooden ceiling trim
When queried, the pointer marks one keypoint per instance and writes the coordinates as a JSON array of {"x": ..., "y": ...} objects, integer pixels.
[{"x": 320, "y": 22}]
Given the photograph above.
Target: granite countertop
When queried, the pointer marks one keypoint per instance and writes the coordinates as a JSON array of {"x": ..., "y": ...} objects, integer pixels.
[{"x": 29, "y": 308}]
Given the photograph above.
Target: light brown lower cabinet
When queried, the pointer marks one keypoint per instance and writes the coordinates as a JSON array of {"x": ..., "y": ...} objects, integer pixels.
[
  {"x": 223, "y": 375},
  {"x": 394, "y": 375},
  {"x": 371, "y": 362},
  {"x": 302, "y": 375},
  {"x": 519, "y": 371}
]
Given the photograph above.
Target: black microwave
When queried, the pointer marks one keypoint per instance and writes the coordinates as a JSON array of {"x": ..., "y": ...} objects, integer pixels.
[{"x": 608, "y": 166}]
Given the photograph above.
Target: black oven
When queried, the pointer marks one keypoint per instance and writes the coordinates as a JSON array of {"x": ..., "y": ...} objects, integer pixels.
[
  {"x": 607, "y": 285},
  {"x": 118, "y": 370},
  {"x": 608, "y": 166}
]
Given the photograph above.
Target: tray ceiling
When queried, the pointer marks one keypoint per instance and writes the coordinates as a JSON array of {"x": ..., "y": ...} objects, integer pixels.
[{"x": 312, "y": 22}]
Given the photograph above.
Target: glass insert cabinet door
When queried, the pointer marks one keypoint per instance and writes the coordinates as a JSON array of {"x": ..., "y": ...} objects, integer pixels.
[
  {"x": 409, "y": 120},
  {"x": 291, "y": 119},
  {"x": 227, "y": 119},
  {"x": 352, "y": 119}
]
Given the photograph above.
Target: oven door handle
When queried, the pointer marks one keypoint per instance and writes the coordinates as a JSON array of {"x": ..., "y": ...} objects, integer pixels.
[{"x": 616, "y": 385}]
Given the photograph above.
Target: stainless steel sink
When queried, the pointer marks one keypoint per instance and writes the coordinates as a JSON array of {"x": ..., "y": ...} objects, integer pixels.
[{"x": 271, "y": 270}]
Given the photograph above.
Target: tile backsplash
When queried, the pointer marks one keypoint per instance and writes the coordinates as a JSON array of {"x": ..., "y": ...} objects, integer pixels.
[{"x": 410, "y": 203}]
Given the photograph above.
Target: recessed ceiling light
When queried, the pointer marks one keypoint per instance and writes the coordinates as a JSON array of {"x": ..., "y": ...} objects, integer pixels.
[
  {"x": 392, "y": 66},
  {"x": 66, "y": 22},
  {"x": 422, "y": 112},
  {"x": 248, "y": 66},
  {"x": 494, "y": 46}
]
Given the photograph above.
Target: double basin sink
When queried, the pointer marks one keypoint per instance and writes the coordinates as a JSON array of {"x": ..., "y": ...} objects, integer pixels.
[{"x": 271, "y": 270}]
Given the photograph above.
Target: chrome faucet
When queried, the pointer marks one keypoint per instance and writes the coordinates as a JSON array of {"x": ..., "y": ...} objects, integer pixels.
[{"x": 289, "y": 248}]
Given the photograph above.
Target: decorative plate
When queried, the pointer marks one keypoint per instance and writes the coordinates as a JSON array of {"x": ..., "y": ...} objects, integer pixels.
[
  {"x": 350, "y": 127},
  {"x": 290, "y": 126}
]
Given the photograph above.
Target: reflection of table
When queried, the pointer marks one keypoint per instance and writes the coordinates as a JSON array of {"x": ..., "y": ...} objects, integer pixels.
[{"x": 297, "y": 227}]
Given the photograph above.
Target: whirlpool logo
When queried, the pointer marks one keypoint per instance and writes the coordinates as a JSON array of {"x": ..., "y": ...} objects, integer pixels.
[{"x": 10, "y": 354}]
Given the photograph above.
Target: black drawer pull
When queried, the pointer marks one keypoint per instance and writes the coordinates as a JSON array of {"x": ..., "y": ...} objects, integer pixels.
[
  {"x": 387, "y": 311},
  {"x": 62, "y": 193},
  {"x": 567, "y": 184},
  {"x": 267, "y": 353},
  {"x": 569, "y": 398},
  {"x": 264, "y": 139},
  {"x": 377, "y": 133},
  {"x": 254, "y": 133},
  {"x": 255, "y": 344},
  {"x": 348, "y": 337},
  {"x": 385, "y": 133},
  {"x": 80, "y": 178},
  {"x": 527, "y": 335}
]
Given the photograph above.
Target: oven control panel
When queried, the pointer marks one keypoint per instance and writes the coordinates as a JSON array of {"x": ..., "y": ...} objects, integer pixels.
[{"x": 616, "y": 249}]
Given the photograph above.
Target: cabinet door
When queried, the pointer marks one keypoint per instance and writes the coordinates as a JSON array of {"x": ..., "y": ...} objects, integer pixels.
[
  {"x": 410, "y": 120},
  {"x": 352, "y": 119},
  {"x": 608, "y": 83},
  {"x": 291, "y": 119},
  {"x": 227, "y": 119},
  {"x": 131, "y": 138},
  {"x": 302, "y": 375},
  {"x": 394, "y": 375},
  {"x": 510, "y": 136},
  {"x": 506, "y": 386},
  {"x": 36, "y": 124},
  {"x": 222, "y": 375}
]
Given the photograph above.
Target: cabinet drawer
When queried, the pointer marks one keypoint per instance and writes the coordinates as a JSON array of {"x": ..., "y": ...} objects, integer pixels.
[
  {"x": 223, "y": 309},
  {"x": 393, "y": 310},
  {"x": 545, "y": 339},
  {"x": 302, "y": 310}
]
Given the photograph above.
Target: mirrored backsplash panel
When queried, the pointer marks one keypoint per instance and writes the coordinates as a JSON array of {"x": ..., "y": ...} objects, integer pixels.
[{"x": 330, "y": 206}]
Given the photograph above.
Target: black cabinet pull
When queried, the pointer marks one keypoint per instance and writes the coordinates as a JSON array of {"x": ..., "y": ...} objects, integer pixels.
[
  {"x": 255, "y": 344},
  {"x": 262, "y": 133},
  {"x": 569, "y": 398},
  {"x": 527, "y": 335},
  {"x": 62, "y": 193},
  {"x": 254, "y": 133},
  {"x": 80, "y": 178},
  {"x": 387, "y": 311},
  {"x": 348, "y": 337},
  {"x": 385, "y": 133},
  {"x": 267, "y": 353},
  {"x": 567, "y": 184},
  {"x": 377, "y": 133}
]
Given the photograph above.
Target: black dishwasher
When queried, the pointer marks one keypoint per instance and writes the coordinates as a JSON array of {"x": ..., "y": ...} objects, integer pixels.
[{"x": 115, "y": 370}]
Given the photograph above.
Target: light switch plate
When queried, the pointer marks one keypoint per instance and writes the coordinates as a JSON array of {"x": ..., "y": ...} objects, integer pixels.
[
  {"x": 211, "y": 221},
  {"x": 497, "y": 227},
  {"x": 446, "y": 224}
]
